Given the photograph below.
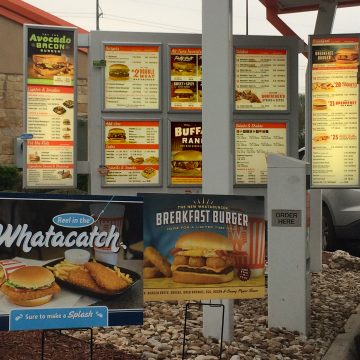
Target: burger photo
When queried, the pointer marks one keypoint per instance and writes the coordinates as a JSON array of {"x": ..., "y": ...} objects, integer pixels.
[
  {"x": 183, "y": 94},
  {"x": 319, "y": 104},
  {"x": 182, "y": 68},
  {"x": 30, "y": 286},
  {"x": 119, "y": 72},
  {"x": 346, "y": 56},
  {"x": 188, "y": 162},
  {"x": 201, "y": 258},
  {"x": 48, "y": 65},
  {"x": 116, "y": 135},
  {"x": 66, "y": 136}
]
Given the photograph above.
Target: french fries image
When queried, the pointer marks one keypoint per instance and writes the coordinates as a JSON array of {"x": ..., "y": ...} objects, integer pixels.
[
  {"x": 155, "y": 265},
  {"x": 63, "y": 268}
]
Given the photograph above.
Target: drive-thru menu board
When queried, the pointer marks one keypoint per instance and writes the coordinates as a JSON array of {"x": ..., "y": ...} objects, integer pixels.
[
  {"x": 253, "y": 141},
  {"x": 261, "y": 79},
  {"x": 335, "y": 112},
  {"x": 186, "y": 78},
  {"x": 50, "y": 103},
  {"x": 186, "y": 152},
  {"x": 132, "y": 79},
  {"x": 131, "y": 152}
]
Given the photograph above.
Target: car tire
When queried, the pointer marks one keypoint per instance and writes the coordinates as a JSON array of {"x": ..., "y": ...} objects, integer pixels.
[{"x": 328, "y": 231}]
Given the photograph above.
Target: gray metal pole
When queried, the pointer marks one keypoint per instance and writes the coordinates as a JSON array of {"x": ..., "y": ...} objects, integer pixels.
[
  {"x": 217, "y": 45},
  {"x": 97, "y": 15}
]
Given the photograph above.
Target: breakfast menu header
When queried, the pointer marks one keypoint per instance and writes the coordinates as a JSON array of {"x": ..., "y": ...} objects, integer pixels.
[
  {"x": 132, "y": 77},
  {"x": 335, "y": 111},
  {"x": 253, "y": 141},
  {"x": 49, "y": 113},
  {"x": 261, "y": 79},
  {"x": 131, "y": 152},
  {"x": 186, "y": 78}
]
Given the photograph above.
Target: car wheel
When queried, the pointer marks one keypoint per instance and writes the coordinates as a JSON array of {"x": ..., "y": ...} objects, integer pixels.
[{"x": 328, "y": 232}]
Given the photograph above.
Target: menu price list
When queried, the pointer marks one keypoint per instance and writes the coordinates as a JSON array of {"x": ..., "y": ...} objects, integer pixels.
[
  {"x": 132, "y": 78},
  {"x": 186, "y": 78},
  {"x": 335, "y": 150},
  {"x": 261, "y": 79},
  {"x": 50, "y": 119},
  {"x": 132, "y": 152},
  {"x": 253, "y": 141}
]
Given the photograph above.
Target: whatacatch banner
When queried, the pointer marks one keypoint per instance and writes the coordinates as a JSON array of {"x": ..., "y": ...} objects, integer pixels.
[
  {"x": 64, "y": 261},
  {"x": 203, "y": 247}
]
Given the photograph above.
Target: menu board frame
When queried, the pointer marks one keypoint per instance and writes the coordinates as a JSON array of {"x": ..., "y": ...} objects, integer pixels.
[
  {"x": 329, "y": 185},
  {"x": 26, "y": 64},
  {"x": 287, "y": 142},
  {"x": 160, "y": 73},
  {"x": 169, "y": 107},
  {"x": 169, "y": 156},
  {"x": 160, "y": 160},
  {"x": 288, "y": 80}
]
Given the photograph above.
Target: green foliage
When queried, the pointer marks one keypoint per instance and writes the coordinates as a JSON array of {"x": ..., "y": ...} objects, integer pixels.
[{"x": 9, "y": 178}]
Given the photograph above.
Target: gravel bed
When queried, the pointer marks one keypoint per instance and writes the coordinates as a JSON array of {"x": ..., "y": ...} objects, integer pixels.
[{"x": 335, "y": 295}]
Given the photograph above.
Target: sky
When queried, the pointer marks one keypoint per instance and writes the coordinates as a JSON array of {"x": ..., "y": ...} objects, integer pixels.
[{"x": 184, "y": 16}]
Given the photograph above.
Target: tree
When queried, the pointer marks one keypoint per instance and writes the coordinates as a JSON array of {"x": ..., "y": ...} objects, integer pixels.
[{"x": 301, "y": 120}]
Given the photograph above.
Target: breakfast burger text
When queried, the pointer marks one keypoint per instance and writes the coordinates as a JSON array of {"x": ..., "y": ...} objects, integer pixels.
[
  {"x": 201, "y": 216},
  {"x": 23, "y": 238}
]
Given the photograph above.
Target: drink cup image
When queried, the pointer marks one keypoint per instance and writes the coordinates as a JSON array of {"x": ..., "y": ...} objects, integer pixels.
[
  {"x": 105, "y": 216},
  {"x": 249, "y": 246}
]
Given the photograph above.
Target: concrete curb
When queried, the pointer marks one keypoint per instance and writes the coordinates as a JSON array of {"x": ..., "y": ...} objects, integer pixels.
[{"x": 343, "y": 347}]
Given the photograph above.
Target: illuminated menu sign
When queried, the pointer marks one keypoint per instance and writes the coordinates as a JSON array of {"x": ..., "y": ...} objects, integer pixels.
[
  {"x": 186, "y": 78},
  {"x": 186, "y": 153},
  {"x": 261, "y": 79},
  {"x": 132, "y": 79},
  {"x": 253, "y": 141},
  {"x": 50, "y": 103},
  {"x": 131, "y": 152},
  {"x": 335, "y": 112}
]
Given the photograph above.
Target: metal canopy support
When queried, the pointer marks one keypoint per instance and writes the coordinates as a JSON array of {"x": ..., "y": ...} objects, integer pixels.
[
  {"x": 325, "y": 17},
  {"x": 217, "y": 127}
]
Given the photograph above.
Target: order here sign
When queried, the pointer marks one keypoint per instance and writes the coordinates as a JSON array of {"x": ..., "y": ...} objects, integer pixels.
[{"x": 289, "y": 218}]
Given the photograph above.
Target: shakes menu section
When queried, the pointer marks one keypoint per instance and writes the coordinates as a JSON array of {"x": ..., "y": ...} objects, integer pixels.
[
  {"x": 261, "y": 79},
  {"x": 50, "y": 101},
  {"x": 186, "y": 78},
  {"x": 335, "y": 112},
  {"x": 132, "y": 152},
  {"x": 253, "y": 141},
  {"x": 132, "y": 79},
  {"x": 186, "y": 153}
]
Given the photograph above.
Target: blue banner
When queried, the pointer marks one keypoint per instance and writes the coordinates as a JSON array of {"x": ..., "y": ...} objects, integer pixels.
[{"x": 59, "y": 318}]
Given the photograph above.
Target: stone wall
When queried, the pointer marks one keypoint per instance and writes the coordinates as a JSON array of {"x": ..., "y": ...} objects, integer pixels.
[{"x": 11, "y": 110}]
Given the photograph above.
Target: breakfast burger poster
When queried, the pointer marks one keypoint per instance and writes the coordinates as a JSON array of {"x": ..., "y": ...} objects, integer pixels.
[
  {"x": 199, "y": 247},
  {"x": 65, "y": 261}
]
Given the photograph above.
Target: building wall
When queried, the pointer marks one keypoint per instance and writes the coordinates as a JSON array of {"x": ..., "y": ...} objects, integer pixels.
[{"x": 12, "y": 85}]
